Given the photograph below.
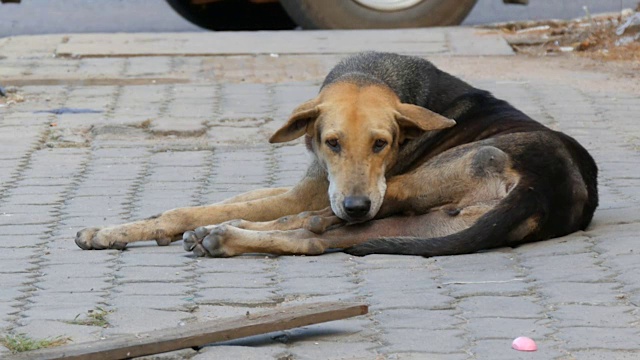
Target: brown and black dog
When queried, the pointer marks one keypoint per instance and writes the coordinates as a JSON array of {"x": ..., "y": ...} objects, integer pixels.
[{"x": 407, "y": 160}]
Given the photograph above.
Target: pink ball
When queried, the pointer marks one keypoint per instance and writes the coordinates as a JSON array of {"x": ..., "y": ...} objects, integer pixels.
[{"x": 524, "y": 343}]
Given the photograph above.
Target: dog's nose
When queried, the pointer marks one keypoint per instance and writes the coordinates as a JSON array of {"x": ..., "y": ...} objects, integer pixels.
[{"x": 356, "y": 206}]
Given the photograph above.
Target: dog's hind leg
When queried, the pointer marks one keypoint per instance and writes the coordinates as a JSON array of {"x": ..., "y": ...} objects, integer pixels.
[
  {"x": 255, "y": 195},
  {"x": 226, "y": 240}
]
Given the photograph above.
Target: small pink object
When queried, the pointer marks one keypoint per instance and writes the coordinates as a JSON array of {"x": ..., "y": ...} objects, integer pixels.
[{"x": 524, "y": 343}]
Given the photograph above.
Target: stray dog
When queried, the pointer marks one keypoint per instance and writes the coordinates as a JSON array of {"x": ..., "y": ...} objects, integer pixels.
[{"x": 407, "y": 160}]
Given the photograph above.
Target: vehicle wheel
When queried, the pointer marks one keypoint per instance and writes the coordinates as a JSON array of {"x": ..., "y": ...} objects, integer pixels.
[
  {"x": 376, "y": 14},
  {"x": 234, "y": 15}
]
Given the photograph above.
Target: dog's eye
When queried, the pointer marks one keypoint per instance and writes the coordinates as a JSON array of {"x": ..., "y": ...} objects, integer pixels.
[
  {"x": 379, "y": 145},
  {"x": 333, "y": 144}
]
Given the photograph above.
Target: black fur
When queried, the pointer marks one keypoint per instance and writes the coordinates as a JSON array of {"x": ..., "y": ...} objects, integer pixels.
[{"x": 558, "y": 184}]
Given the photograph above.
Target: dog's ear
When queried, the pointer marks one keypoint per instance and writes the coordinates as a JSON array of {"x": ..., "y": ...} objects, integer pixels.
[
  {"x": 302, "y": 117},
  {"x": 414, "y": 120}
]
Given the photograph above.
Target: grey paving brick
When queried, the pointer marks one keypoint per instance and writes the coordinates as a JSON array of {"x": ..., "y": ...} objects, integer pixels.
[
  {"x": 347, "y": 330},
  {"x": 168, "y": 303},
  {"x": 602, "y": 354},
  {"x": 521, "y": 307},
  {"x": 211, "y": 312},
  {"x": 134, "y": 319},
  {"x": 513, "y": 287},
  {"x": 155, "y": 259},
  {"x": 579, "y": 338},
  {"x": 16, "y": 241},
  {"x": 418, "y": 319},
  {"x": 71, "y": 271},
  {"x": 233, "y": 296},
  {"x": 419, "y": 340},
  {"x": 501, "y": 349},
  {"x": 581, "y": 293},
  {"x": 21, "y": 230},
  {"x": 239, "y": 352},
  {"x": 167, "y": 274},
  {"x": 332, "y": 350},
  {"x": 566, "y": 245},
  {"x": 236, "y": 280},
  {"x": 47, "y": 329},
  {"x": 234, "y": 103},
  {"x": 148, "y": 66},
  {"x": 409, "y": 355},
  {"x": 153, "y": 288},
  {"x": 312, "y": 286},
  {"x": 574, "y": 267},
  {"x": 594, "y": 316},
  {"x": 65, "y": 284},
  {"x": 481, "y": 329}
]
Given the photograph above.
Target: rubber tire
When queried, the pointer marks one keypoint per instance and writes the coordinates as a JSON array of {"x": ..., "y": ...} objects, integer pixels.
[
  {"x": 348, "y": 14},
  {"x": 234, "y": 15}
]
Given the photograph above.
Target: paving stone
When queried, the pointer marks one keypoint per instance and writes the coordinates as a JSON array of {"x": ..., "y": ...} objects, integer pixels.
[
  {"x": 136, "y": 319},
  {"x": 581, "y": 293},
  {"x": 594, "y": 316},
  {"x": 332, "y": 350},
  {"x": 418, "y": 319},
  {"x": 566, "y": 245},
  {"x": 618, "y": 245},
  {"x": 501, "y": 350},
  {"x": 71, "y": 271},
  {"x": 154, "y": 288},
  {"x": 317, "y": 286},
  {"x": 236, "y": 265},
  {"x": 419, "y": 340},
  {"x": 237, "y": 280},
  {"x": 239, "y": 352},
  {"x": 522, "y": 307},
  {"x": 172, "y": 355},
  {"x": 48, "y": 329},
  {"x": 574, "y": 267},
  {"x": 220, "y": 296},
  {"x": 579, "y": 338},
  {"x": 149, "y": 273},
  {"x": 422, "y": 356},
  {"x": 154, "y": 259},
  {"x": 206, "y": 312},
  {"x": 178, "y": 302},
  {"x": 603, "y": 354},
  {"x": 66, "y": 284},
  {"x": 481, "y": 329}
]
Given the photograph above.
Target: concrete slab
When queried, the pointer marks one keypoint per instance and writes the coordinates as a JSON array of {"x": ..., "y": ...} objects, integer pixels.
[{"x": 468, "y": 41}]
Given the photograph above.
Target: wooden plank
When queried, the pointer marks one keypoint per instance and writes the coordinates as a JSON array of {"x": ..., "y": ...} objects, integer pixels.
[{"x": 198, "y": 334}]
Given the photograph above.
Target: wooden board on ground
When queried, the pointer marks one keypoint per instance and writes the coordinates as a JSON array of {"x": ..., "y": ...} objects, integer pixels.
[{"x": 202, "y": 333}]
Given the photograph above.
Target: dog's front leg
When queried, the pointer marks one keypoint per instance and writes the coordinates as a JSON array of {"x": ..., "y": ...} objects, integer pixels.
[{"x": 310, "y": 194}]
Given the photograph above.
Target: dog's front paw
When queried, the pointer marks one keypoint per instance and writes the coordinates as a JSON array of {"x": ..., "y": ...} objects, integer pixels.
[
  {"x": 207, "y": 241},
  {"x": 95, "y": 239}
]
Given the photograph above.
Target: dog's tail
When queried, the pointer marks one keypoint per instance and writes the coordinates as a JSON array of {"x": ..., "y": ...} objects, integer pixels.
[{"x": 490, "y": 231}]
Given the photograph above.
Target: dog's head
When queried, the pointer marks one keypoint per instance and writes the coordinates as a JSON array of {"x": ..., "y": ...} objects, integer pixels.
[{"x": 355, "y": 132}]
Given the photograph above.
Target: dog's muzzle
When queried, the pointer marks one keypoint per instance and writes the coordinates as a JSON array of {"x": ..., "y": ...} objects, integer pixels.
[{"x": 356, "y": 207}]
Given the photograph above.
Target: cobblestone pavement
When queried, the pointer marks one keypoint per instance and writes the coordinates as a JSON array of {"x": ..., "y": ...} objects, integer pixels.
[{"x": 190, "y": 130}]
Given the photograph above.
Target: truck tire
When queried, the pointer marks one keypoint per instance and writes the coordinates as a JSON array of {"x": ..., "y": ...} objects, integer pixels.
[
  {"x": 234, "y": 15},
  {"x": 376, "y": 14}
]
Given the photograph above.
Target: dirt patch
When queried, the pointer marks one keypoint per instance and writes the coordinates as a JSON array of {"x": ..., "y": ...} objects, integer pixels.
[
  {"x": 10, "y": 96},
  {"x": 606, "y": 37}
]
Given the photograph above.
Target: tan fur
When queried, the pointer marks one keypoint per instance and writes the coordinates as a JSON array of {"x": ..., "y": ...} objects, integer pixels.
[{"x": 309, "y": 218}]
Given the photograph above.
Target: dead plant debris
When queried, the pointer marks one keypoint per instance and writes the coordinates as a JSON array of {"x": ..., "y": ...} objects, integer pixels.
[{"x": 604, "y": 37}]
